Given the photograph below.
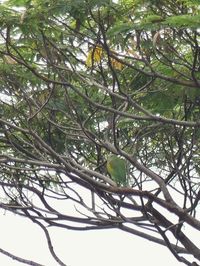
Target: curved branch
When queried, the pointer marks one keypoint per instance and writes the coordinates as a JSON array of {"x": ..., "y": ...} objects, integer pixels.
[{"x": 16, "y": 258}]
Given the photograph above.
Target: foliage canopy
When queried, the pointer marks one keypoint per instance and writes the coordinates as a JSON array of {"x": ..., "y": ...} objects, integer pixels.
[{"x": 83, "y": 79}]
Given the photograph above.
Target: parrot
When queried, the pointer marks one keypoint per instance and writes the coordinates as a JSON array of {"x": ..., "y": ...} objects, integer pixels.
[{"x": 116, "y": 167}]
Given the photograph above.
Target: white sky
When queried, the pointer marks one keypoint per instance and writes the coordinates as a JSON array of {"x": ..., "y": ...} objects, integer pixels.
[
  {"x": 21, "y": 237},
  {"x": 75, "y": 248}
]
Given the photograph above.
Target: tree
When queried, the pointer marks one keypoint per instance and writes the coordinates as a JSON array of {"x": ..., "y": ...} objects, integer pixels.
[{"x": 84, "y": 79}]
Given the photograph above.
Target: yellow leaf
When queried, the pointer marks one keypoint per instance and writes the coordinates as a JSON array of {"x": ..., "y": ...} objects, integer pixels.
[
  {"x": 89, "y": 59},
  {"x": 9, "y": 60},
  {"x": 42, "y": 96},
  {"x": 116, "y": 64},
  {"x": 94, "y": 56}
]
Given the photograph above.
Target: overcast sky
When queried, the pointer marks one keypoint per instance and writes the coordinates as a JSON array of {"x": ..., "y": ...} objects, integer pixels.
[{"x": 90, "y": 248}]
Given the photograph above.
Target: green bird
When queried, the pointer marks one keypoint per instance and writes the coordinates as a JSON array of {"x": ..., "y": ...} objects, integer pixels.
[{"x": 116, "y": 167}]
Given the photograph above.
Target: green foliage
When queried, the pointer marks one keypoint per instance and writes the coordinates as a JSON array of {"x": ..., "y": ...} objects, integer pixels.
[
  {"x": 120, "y": 28},
  {"x": 183, "y": 21},
  {"x": 18, "y": 3},
  {"x": 148, "y": 69}
]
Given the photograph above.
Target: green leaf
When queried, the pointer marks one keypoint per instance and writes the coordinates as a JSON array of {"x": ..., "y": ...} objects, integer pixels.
[
  {"x": 120, "y": 28},
  {"x": 184, "y": 21},
  {"x": 18, "y": 3}
]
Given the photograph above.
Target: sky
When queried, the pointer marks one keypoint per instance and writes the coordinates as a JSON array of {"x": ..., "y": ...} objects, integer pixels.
[
  {"x": 111, "y": 247},
  {"x": 90, "y": 248}
]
